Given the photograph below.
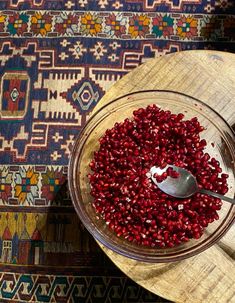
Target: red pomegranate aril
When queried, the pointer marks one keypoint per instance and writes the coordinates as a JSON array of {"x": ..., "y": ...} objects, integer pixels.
[
  {"x": 174, "y": 174},
  {"x": 169, "y": 244},
  {"x": 197, "y": 235},
  {"x": 184, "y": 239},
  {"x": 126, "y": 198}
]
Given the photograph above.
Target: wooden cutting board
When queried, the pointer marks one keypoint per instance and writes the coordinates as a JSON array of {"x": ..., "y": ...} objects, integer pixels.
[{"x": 208, "y": 76}]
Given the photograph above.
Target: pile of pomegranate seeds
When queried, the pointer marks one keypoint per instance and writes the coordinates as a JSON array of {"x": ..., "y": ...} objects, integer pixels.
[{"x": 126, "y": 198}]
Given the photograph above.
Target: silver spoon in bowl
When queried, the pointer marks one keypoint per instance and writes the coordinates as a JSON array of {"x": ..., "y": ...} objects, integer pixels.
[{"x": 184, "y": 186}]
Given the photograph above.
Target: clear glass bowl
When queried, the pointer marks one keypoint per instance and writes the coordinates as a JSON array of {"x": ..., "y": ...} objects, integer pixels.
[{"x": 222, "y": 148}]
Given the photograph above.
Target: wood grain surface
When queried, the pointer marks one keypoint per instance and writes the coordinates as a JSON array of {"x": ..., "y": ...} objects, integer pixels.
[{"x": 208, "y": 76}]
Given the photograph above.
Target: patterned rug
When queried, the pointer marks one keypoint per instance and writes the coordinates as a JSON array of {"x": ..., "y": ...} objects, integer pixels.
[{"x": 57, "y": 59}]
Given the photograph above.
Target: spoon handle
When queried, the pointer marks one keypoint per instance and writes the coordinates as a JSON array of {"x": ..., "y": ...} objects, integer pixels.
[{"x": 211, "y": 193}]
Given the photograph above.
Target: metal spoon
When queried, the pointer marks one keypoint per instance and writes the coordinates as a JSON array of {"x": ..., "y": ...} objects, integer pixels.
[{"x": 184, "y": 186}]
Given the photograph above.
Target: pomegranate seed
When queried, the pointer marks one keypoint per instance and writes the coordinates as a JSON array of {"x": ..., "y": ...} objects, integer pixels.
[{"x": 126, "y": 198}]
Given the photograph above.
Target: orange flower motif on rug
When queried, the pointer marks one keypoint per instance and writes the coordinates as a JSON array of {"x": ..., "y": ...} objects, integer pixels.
[
  {"x": 41, "y": 24},
  {"x": 26, "y": 187},
  {"x": 187, "y": 27},
  {"x": 139, "y": 26},
  {"x": 2, "y": 22},
  {"x": 91, "y": 24}
]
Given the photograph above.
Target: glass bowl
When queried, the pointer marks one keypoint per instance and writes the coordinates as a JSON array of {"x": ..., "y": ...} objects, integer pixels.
[{"x": 221, "y": 145}]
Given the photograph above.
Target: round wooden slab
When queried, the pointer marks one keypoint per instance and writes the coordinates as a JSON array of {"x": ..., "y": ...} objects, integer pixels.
[{"x": 210, "y": 77}]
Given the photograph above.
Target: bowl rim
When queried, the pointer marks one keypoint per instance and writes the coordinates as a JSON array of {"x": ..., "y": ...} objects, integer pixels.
[{"x": 98, "y": 236}]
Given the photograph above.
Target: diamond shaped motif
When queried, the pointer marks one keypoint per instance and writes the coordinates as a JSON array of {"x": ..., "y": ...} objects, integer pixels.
[
  {"x": 85, "y": 96},
  {"x": 14, "y": 94}
]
